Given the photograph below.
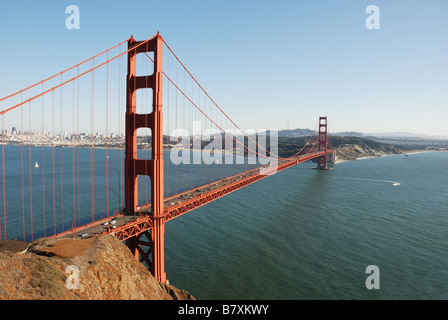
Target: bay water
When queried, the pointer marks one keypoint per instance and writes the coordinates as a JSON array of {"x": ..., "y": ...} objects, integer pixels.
[
  {"x": 298, "y": 234},
  {"x": 308, "y": 234}
]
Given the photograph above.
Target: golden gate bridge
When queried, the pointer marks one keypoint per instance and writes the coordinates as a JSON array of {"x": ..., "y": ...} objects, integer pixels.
[{"x": 136, "y": 87}]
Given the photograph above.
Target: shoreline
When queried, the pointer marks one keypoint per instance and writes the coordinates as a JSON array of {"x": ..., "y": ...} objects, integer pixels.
[
  {"x": 114, "y": 146},
  {"x": 391, "y": 154}
]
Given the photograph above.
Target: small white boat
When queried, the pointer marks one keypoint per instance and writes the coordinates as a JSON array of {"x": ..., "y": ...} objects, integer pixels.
[
  {"x": 36, "y": 165},
  {"x": 396, "y": 184}
]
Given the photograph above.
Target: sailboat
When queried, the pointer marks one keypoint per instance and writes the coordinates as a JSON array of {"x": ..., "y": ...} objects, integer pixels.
[{"x": 36, "y": 165}]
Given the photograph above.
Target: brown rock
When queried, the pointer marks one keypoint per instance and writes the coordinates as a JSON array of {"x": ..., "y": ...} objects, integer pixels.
[
  {"x": 107, "y": 271},
  {"x": 14, "y": 246}
]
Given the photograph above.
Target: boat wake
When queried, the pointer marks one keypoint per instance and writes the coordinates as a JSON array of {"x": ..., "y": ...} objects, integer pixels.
[{"x": 394, "y": 183}]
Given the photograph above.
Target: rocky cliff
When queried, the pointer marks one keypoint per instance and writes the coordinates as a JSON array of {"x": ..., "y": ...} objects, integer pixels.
[
  {"x": 356, "y": 151},
  {"x": 105, "y": 268}
]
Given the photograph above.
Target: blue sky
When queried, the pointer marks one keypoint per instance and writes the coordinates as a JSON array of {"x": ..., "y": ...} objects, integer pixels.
[{"x": 263, "y": 62}]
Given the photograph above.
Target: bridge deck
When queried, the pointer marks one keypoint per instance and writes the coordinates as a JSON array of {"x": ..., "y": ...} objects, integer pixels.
[{"x": 126, "y": 226}]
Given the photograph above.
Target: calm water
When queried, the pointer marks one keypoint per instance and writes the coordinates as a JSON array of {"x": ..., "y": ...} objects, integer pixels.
[
  {"x": 306, "y": 234},
  {"x": 299, "y": 234}
]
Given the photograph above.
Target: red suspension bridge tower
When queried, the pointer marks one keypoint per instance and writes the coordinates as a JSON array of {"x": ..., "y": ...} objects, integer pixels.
[
  {"x": 322, "y": 143},
  {"x": 152, "y": 168}
]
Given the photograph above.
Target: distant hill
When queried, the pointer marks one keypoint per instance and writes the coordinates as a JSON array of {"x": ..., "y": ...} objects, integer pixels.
[
  {"x": 296, "y": 133},
  {"x": 390, "y": 136},
  {"x": 350, "y": 148},
  {"x": 371, "y": 136},
  {"x": 349, "y": 134},
  {"x": 347, "y": 148},
  {"x": 349, "y": 145}
]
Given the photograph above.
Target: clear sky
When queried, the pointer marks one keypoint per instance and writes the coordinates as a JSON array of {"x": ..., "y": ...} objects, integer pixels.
[{"x": 263, "y": 62}]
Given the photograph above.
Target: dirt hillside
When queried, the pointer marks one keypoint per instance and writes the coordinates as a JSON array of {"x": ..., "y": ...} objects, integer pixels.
[{"x": 104, "y": 266}]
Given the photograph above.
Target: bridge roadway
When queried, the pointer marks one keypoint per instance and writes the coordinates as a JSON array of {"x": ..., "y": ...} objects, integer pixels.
[{"x": 126, "y": 226}]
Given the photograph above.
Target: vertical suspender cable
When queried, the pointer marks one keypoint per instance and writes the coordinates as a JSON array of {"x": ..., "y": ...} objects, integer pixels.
[
  {"x": 77, "y": 151},
  {"x": 219, "y": 151},
  {"x": 92, "y": 118},
  {"x": 107, "y": 137},
  {"x": 210, "y": 141},
  {"x": 4, "y": 178},
  {"x": 167, "y": 183},
  {"x": 30, "y": 164},
  {"x": 120, "y": 150},
  {"x": 191, "y": 140},
  {"x": 52, "y": 155},
  {"x": 21, "y": 157},
  {"x": 43, "y": 165},
  {"x": 62, "y": 182},
  {"x": 175, "y": 128},
  {"x": 73, "y": 158},
  {"x": 183, "y": 127}
]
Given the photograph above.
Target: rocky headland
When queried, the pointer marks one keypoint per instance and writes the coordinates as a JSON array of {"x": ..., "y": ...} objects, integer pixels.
[{"x": 97, "y": 268}]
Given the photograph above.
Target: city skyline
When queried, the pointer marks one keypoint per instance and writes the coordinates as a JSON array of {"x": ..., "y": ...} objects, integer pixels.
[{"x": 265, "y": 64}]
